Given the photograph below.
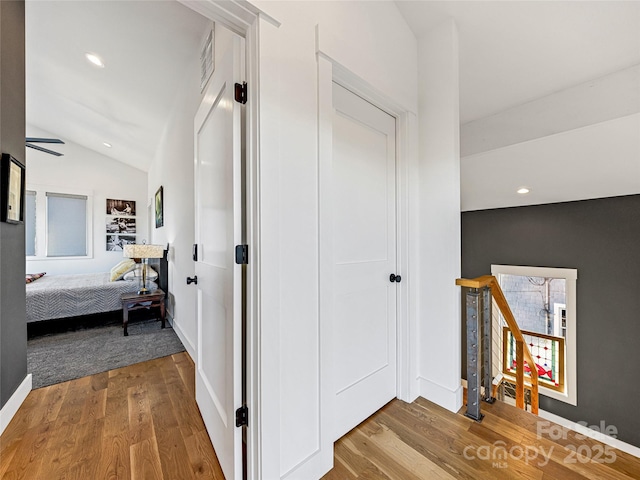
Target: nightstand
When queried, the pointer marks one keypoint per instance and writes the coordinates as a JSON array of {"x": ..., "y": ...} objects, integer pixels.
[{"x": 134, "y": 301}]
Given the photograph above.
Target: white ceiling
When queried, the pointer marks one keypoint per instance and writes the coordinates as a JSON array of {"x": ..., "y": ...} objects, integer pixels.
[
  {"x": 549, "y": 98},
  {"x": 512, "y": 52},
  {"x": 145, "y": 45}
]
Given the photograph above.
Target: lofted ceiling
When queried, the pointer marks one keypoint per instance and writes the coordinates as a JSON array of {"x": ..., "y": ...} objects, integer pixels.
[
  {"x": 512, "y": 52},
  {"x": 145, "y": 45},
  {"x": 549, "y": 98}
]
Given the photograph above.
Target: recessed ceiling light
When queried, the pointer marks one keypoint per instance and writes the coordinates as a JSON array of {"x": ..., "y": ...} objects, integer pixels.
[
  {"x": 94, "y": 59},
  {"x": 523, "y": 190},
  {"x": 107, "y": 144}
]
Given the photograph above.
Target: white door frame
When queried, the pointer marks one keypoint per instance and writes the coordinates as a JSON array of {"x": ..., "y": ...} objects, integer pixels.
[
  {"x": 242, "y": 18},
  {"x": 330, "y": 71}
]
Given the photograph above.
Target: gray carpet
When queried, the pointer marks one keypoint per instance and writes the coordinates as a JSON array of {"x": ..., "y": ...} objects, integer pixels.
[{"x": 65, "y": 356}]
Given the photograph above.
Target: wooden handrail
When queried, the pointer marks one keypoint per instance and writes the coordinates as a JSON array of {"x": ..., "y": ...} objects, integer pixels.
[{"x": 522, "y": 350}]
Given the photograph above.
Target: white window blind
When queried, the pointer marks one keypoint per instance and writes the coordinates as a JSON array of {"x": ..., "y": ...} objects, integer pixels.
[
  {"x": 66, "y": 225},
  {"x": 30, "y": 222}
]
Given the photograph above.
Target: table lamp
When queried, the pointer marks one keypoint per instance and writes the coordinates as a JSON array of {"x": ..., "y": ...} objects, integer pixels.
[{"x": 144, "y": 252}]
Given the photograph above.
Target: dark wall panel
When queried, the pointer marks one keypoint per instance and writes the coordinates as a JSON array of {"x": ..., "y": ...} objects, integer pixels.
[
  {"x": 13, "y": 326},
  {"x": 601, "y": 239}
]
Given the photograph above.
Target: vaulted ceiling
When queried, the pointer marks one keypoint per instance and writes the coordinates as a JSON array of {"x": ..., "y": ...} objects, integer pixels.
[
  {"x": 145, "y": 45},
  {"x": 513, "y": 52},
  {"x": 513, "y": 55}
]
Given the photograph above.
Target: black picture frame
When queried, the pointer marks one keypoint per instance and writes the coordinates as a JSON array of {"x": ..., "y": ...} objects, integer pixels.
[
  {"x": 12, "y": 189},
  {"x": 159, "y": 203}
]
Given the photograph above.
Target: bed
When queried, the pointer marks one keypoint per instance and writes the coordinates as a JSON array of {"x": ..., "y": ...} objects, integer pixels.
[
  {"x": 61, "y": 296},
  {"x": 53, "y": 297}
]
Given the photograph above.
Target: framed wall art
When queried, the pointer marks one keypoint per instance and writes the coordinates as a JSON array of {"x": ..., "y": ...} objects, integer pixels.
[
  {"x": 12, "y": 183},
  {"x": 120, "y": 224},
  {"x": 121, "y": 207},
  {"x": 159, "y": 203}
]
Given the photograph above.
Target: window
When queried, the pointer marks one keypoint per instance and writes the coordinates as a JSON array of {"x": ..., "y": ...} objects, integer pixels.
[
  {"x": 543, "y": 301},
  {"x": 66, "y": 225},
  {"x": 560, "y": 320},
  {"x": 58, "y": 223},
  {"x": 30, "y": 222}
]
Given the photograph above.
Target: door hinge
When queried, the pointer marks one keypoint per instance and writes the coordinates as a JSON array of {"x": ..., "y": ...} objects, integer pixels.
[
  {"x": 241, "y": 92},
  {"x": 242, "y": 254},
  {"x": 242, "y": 416}
]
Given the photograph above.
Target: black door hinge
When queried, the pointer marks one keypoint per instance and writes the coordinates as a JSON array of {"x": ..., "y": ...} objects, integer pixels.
[
  {"x": 242, "y": 254},
  {"x": 242, "y": 416},
  {"x": 241, "y": 92}
]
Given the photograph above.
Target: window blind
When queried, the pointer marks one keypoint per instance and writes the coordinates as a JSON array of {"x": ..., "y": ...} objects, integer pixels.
[{"x": 66, "y": 225}]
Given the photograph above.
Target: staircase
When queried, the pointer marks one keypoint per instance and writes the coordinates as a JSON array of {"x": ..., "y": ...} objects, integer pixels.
[{"x": 480, "y": 295}]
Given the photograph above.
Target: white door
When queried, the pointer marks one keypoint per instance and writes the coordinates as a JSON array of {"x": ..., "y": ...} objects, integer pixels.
[
  {"x": 217, "y": 231},
  {"x": 363, "y": 190}
]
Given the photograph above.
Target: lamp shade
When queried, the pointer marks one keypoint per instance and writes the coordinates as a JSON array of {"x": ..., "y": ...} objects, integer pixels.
[{"x": 142, "y": 250}]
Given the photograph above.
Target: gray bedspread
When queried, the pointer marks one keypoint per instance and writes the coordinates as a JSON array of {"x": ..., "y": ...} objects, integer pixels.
[{"x": 61, "y": 296}]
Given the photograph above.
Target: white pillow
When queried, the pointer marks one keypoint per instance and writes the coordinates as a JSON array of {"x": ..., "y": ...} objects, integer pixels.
[
  {"x": 121, "y": 269},
  {"x": 136, "y": 274}
]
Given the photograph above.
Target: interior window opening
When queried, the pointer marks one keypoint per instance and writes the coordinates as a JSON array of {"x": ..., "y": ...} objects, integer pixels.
[{"x": 543, "y": 303}]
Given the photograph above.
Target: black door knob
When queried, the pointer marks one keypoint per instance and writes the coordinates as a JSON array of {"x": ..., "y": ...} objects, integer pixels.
[
  {"x": 395, "y": 278},
  {"x": 193, "y": 279}
]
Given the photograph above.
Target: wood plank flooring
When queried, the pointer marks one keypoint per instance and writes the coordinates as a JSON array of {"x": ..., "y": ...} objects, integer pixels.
[
  {"x": 424, "y": 441},
  {"x": 139, "y": 422}
]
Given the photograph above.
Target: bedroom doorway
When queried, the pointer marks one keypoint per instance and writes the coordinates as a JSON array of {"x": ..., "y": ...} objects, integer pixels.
[
  {"x": 80, "y": 102},
  {"x": 244, "y": 23}
]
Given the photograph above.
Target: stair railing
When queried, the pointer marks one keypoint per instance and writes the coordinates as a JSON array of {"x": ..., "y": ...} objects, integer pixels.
[{"x": 478, "y": 304}]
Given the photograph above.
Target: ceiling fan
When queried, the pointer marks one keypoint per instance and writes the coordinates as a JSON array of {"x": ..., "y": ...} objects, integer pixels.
[{"x": 31, "y": 140}]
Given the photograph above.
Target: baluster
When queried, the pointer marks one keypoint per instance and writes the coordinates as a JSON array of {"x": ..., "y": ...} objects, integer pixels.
[{"x": 487, "y": 341}]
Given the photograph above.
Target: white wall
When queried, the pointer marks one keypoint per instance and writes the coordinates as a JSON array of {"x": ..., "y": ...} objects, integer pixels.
[
  {"x": 376, "y": 45},
  {"x": 172, "y": 168},
  {"x": 596, "y": 161},
  {"x": 597, "y": 101},
  {"x": 87, "y": 170},
  {"x": 576, "y": 144},
  {"x": 439, "y": 218}
]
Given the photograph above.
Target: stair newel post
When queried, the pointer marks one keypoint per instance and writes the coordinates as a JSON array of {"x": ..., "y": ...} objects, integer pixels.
[
  {"x": 487, "y": 343},
  {"x": 473, "y": 353}
]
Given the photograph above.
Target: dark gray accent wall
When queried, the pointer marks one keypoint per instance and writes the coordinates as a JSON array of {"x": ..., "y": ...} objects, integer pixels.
[
  {"x": 601, "y": 239},
  {"x": 13, "y": 326}
]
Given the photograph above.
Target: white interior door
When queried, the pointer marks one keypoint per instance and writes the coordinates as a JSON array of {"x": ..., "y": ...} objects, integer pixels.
[
  {"x": 363, "y": 191},
  {"x": 218, "y": 230}
]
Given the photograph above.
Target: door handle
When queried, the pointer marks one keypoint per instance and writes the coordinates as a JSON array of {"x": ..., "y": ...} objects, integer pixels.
[
  {"x": 395, "y": 278},
  {"x": 194, "y": 252},
  {"x": 193, "y": 279}
]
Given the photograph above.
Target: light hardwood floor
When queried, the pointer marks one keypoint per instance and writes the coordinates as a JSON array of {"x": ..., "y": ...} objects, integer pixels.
[
  {"x": 141, "y": 422},
  {"x": 424, "y": 441}
]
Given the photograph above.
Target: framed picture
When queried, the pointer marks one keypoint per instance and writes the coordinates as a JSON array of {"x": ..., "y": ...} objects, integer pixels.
[
  {"x": 116, "y": 243},
  {"x": 159, "y": 208},
  {"x": 121, "y": 225},
  {"x": 125, "y": 208},
  {"x": 12, "y": 176}
]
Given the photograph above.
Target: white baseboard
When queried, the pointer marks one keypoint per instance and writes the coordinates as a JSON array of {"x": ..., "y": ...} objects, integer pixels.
[
  {"x": 189, "y": 347},
  {"x": 587, "y": 432},
  {"x": 446, "y": 398},
  {"x": 13, "y": 404}
]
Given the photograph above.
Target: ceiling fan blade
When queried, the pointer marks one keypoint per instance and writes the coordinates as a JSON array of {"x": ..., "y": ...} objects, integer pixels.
[
  {"x": 43, "y": 140},
  {"x": 45, "y": 150}
]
